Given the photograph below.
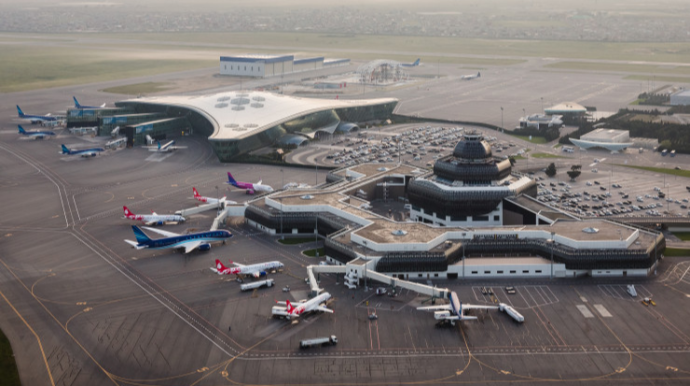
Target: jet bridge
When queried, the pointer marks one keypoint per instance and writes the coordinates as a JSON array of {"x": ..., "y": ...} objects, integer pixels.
[{"x": 360, "y": 266}]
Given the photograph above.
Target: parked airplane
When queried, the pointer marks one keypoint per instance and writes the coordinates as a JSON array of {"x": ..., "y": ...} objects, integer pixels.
[
  {"x": 455, "y": 310},
  {"x": 415, "y": 64},
  {"x": 211, "y": 200},
  {"x": 77, "y": 105},
  {"x": 36, "y": 134},
  {"x": 314, "y": 304},
  {"x": 470, "y": 77},
  {"x": 168, "y": 147},
  {"x": 83, "y": 153},
  {"x": 190, "y": 242},
  {"x": 35, "y": 118},
  {"x": 154, "y": 218},
  {"x": 254, "y": 270},
  {"x": 247, "y": 186}
]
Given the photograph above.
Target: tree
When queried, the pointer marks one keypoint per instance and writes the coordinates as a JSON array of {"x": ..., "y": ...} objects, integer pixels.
[
  {"x": 551, "y": 170},
  {"x": 574, "y": 172},
  {"x": 512, "y": 161}
]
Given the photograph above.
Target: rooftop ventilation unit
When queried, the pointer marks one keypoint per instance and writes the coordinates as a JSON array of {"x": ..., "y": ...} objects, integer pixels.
[
  {"x": 221, "y": 105},
  {"x": 251, "y": 125},
  {"x": 223, "y": 99},
  {"x": 240, "y": 101},
  {"x": 238, "y": 108},
  {"x": 231, "y": 125},
  {"x": 307, "y": 197},
  {"x": 590, "y": 230},
  {"x": 399, "y": 232},
  {"x": 257, "y": 105},
  {"x": 259, "y": 98}
]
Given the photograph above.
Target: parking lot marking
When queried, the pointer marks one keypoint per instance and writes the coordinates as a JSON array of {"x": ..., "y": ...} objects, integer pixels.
[
  {"x": 603, "y": 311},
  {"x": 585, "y": 311}
]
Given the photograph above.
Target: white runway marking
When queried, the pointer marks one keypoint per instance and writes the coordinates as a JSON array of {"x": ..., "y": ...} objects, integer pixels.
[
  {"x": 602, "y": 310},
  {"x": 158, "y": 157},
  {"x": 585, "y": 311}
]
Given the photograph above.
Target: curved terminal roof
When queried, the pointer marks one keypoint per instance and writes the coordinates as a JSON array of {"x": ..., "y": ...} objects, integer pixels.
[
  {"x": 240, "y": 114},
  {"x": 612, "y": 146}
]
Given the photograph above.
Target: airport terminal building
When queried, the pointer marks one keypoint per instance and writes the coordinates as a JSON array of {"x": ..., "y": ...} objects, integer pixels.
[
  {"x": 240, "y": 122},
  {"x": 528, "y": 239}
]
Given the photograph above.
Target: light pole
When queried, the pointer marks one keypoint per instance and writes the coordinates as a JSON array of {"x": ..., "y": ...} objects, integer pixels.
[
  {"x": 282, "y": 213},
  {"x": 316, "y": 174},
  {"x": 542, "y": 104},
  {"x": 552, "y": 243},
  {"x": 502, "y": 128},
  {"x": 218, "y": 200}
]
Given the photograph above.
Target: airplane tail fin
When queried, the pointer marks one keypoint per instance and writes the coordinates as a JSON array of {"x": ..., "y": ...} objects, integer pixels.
[
  {"x": 479, "y": 74},
  {"x": 65, "y": 150},
  {"x": 21, "y": 129},
  {"x": 159, "y": 145},
  {"x": 127, "y": 211},
  {"x": 231, "y": 180},
  {"x": 416, "y": 62},
  {"x": 196, "y": 194},
  {"x": 76, "y": 103},
  {"x": 19, "y": 111},
  {"x": 140, "y": 235},
  {"x": 289, "y": 306},
  {"x": 219, "y": 266}
]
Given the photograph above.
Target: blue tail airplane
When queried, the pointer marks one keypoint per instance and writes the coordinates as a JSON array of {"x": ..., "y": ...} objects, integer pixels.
[
  {"x": 190, "y": 242},
  {"x": 77, "y": 105},
  {"x": 35, "y": 118},
  {"x": 415, "y": 64},
  {"x": 35, "y": 134},
  {"x": 83, "y": 153}
]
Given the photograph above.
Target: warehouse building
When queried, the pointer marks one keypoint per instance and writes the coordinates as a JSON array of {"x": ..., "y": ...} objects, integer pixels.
[
  {"x": 265, "y": 66},
  {"x": 680, "y": 98}
]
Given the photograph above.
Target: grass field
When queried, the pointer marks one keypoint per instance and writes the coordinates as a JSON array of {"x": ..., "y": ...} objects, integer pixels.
[
  {"x": 661, "y": 78},
  {"x": 673, "y": 172},
  {"x": 535, "y": 139},
  {"x": 297, "y": 240},
  {"x": 673, "y": 252},
  {"x": 138, "y": 88},
  {"x": 685, "y": 236},
  {"x": 9, "y": 376},
  {"x": 385, "y": 45},
  {"x": 312, "y": 252},
  {"x": 28, "y": 68},
  {"x": 545, "y": 155},
  {"x": 621, "y": 67}
]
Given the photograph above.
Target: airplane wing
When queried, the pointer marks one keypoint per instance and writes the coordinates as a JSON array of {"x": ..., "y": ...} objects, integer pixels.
[
  {"x": 162, "y": 232},
  {"x": 323, "y": 309},
  {"x": 188, "y": 247},
  {"x": 445, "y": 307},
  {"x": 103, "y": 105},
  {"x": 134, "y": 244}
]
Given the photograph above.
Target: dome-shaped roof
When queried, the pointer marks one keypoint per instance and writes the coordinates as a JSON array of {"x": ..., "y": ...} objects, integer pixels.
[{"x": 472, "y": 146}]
